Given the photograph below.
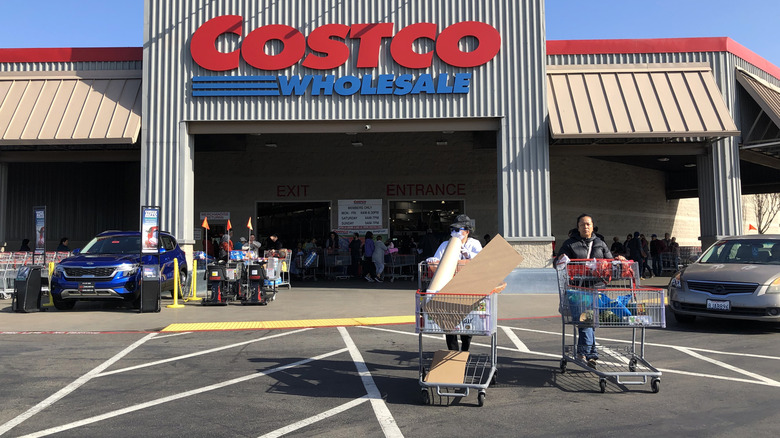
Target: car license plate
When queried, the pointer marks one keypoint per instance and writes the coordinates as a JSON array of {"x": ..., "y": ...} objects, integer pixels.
[
  {"x": 723, "y": 306},
  {"x": 87, "y": 287}
]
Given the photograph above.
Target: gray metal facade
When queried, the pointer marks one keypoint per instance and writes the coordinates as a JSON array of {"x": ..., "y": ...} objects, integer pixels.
[
  {"x": 72, "y": 196},
  {"x": 720, "y": 188},
  {"x": 510, "y": 88}
]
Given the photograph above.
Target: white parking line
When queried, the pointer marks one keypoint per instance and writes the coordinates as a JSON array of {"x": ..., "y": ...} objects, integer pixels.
[
  {"x": 758, "y": 377},
  {"x": 386, "y": 420},
  {"x": 313, "y": 419},
  {"x": 515, "y": 340},
  {"x": 178, "y": 396},
  {"x": 72, "y": 386},
  {"x": 200, "y": 353}
]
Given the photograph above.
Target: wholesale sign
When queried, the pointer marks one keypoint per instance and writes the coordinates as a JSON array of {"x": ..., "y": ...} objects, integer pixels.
[{"x": 328, "y": 50}]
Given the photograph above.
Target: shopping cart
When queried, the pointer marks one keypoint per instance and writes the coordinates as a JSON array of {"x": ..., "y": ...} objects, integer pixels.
[
  {"x": 426, "y": 270},
  {"x": 605, "y": 293},
  {"x": 456, "y": 314},
  {"x": 400, "y": 266}
]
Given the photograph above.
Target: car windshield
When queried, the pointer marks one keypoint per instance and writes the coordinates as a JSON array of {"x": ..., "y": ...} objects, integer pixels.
[
  {"x": 754, "y": 251},
  {"x": 113, "y": 245}
]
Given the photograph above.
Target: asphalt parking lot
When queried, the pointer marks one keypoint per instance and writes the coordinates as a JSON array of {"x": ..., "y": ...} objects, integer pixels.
[{"x": 96, "y": 371}]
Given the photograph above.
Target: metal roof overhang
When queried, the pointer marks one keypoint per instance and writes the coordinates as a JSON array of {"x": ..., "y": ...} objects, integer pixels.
[
  {"x": 64, "y": 108},
  {"x": 633, "y": 101},
  {"x": 760, "y": 148}
]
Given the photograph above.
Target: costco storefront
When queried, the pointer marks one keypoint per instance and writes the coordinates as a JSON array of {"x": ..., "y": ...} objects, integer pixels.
[{"x": 304, "y": 117}]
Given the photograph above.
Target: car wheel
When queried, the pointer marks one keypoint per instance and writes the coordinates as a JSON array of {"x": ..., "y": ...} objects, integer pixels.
[
  {"x": 61, "y": 304},
  {"x": 684, "y": 319}
]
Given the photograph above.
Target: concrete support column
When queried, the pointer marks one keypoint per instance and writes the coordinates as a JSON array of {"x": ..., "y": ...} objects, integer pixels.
[
  {"x": 523, "y": 144},
  {"x": 186, "y": 197},
  {"x": 3, "y": 203},
  {"x": 720, "y": 192}
]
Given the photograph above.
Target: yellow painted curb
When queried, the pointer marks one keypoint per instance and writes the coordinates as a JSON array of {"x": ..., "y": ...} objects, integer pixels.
[{"x": 300, "y": 323}]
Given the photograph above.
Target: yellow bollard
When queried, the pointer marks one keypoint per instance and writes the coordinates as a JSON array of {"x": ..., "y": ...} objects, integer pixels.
[
  {"x": 194, "y": 289},
  {"x": 176, "y": 286},
  {"x": 50, "y": 303}
]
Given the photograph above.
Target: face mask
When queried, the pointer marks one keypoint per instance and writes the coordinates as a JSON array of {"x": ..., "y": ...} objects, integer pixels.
[{"x": 460, "y": 234}]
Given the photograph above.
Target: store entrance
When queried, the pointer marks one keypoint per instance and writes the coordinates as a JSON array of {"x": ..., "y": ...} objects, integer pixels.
[
  {"x": 293, "y": 222},
  {"x": 413, "y": 218}
]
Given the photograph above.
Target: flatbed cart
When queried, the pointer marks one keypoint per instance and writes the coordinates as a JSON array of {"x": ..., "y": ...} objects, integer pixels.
[
  {"x": 450, "y": 371},
  {"x": 602, "y": 293}
]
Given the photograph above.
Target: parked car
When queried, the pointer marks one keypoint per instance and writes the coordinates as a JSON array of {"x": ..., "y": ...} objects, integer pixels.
[
  {"x": 737, "y": 277},
  {"x": 108, "y": 268}
]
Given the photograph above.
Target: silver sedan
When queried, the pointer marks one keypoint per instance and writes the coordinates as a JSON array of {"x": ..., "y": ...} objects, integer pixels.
[{"x": 738, "y": 277}]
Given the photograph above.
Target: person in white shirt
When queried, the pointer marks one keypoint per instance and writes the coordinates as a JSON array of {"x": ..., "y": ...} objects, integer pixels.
[{"x": 462, "y": 229}]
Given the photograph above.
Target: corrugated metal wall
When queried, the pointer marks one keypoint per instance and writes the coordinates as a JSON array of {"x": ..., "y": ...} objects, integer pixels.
[
  {"x": 81, "y": 199},
  {"x": 720, "y": 202},
  {"x": 511, "y": 87}
]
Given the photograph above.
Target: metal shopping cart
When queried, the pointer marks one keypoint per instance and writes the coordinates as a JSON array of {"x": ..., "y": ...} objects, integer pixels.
[
  {"x": 426, "y": 270},
  {"x": 456, "y": 314},
  {"x": 605, "y": 293},
  {"x": 400, "y": 266}
]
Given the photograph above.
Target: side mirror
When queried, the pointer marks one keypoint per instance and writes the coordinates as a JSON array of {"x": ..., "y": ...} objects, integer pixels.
[
  {"x": 162, "y": 250},
  {"x": 76, "y": 251}
]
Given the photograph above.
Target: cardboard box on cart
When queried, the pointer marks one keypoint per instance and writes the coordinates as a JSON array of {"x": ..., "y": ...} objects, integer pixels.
[{"x": 478, "y": 278}]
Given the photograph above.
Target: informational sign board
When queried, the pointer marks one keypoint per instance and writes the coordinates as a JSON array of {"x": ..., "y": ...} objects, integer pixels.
[
  {"x": 40, "y": 229},
  {"x": 360, "y": 214},
  {"x": 150, "y": 228},
  {"x": 215, "y": 215}
]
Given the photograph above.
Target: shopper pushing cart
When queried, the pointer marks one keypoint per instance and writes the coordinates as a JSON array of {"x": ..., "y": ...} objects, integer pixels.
[{"x": 599, "y": 291}]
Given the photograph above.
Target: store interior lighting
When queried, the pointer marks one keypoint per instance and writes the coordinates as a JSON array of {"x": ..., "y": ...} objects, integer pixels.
[{"x": 271, "y": 145}]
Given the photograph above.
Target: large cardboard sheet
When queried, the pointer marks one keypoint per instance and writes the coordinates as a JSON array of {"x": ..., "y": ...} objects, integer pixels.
[
  {"x": 475, "y": 280},
  {"x": 448, "y": 367},
  {"x": 486, "y": 271}
]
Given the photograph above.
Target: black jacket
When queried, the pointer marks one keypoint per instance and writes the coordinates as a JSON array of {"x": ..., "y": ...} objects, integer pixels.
[{"x": 577, "y": 248}]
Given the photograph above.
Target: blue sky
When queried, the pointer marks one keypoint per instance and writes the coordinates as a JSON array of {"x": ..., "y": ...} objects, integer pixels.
[{"x": 105, "y": 23}]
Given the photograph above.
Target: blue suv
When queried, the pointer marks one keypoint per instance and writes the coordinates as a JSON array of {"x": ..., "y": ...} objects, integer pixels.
[{"x": 108, "y": 268}]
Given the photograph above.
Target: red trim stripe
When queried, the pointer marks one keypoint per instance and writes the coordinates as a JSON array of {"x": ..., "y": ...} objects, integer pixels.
[
  {"x": 661, "y": 45},
  {"x": 70, "y": 54}
]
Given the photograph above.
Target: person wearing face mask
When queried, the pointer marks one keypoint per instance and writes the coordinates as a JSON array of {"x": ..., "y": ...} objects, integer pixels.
[
  {"x": 585, "y": 245},
  {"x": 470, "y": 247}
]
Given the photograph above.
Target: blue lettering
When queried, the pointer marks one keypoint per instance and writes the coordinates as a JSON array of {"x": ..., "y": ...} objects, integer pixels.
[
  {"x": 366, "y": 87},
  {"x": 424, "y": 84},
  {"x": 347, "y": 85},
  {"x": 294, "y": 84},
  {"x": 462, "y": 83},
  {"x": 322, "y": 84},
  {"x": 403, "y": 85},
  {"x": 384, "y": 84},
  {"x": 441, "y": 84}
]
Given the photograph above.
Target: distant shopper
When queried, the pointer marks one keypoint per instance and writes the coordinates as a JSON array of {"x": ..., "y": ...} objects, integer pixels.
[
  {"x": 273, "y": 242},
  {"x": 63, "y": 246},
  {"x": 25, "y": 245},
  {"x": 378, "y": 257},
  {"x": 368, "y": 262},
  {"x": 354, "y": 254}
]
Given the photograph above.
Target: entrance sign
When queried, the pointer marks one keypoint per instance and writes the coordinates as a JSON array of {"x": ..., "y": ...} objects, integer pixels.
[
  {"x": 150, "y": 229},
  {"x": 360, "y": 214}
]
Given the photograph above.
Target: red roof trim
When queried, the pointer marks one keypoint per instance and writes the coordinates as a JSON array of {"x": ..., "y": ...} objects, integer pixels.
[
  {"x": 661, "y": 45},
  {"x": 78, "y": 54}
]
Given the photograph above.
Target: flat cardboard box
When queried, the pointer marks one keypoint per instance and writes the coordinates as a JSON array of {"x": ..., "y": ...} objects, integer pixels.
[
  {"x": 475, "y": 280},
  {"x": 448, "y": 367}
]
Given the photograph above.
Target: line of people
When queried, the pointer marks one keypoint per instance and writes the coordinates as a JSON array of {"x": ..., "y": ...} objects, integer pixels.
[{"x": 649, "y": 255}]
